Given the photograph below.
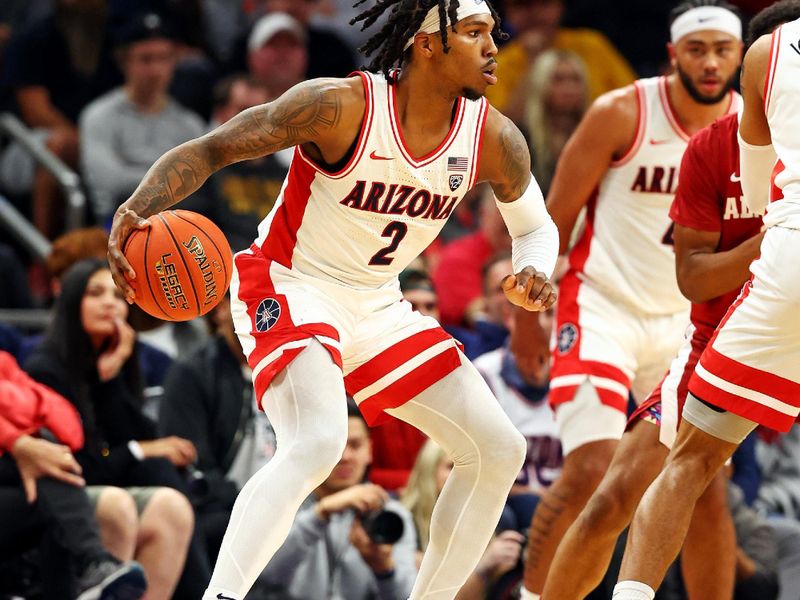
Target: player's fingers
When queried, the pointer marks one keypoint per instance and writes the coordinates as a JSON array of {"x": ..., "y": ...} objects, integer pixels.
[
  {"x": 511, "y": 535},
  {"x": 523, "y": 280},
  {"x": 509, "y": 283},
  {"x": 539, "y": 282},
  {"x": 122, "y": 273},
  {"x": 550, "y": 300}
]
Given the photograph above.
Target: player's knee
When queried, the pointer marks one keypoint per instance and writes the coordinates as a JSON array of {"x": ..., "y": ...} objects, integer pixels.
[
  {"x": 608, "y": 510},
  {"x": 584, "y": 474},
  {"x": 320, "y": 452}
]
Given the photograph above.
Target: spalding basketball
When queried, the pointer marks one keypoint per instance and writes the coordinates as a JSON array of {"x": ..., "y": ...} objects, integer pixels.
[{"x": 183, "y": 265}]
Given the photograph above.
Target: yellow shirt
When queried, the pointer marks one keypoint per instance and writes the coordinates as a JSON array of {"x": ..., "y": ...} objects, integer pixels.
[{"x": 606, "y": 67}]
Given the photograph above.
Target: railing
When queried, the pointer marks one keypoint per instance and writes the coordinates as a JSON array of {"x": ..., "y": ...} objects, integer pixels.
[
  {"x": 33, "y": 319},
  {"x": 66, "y": 177},
  {"x": 25, "y": 233}
]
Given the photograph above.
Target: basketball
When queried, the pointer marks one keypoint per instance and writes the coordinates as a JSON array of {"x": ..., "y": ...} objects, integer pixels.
[{"x": 183, "y": 265}]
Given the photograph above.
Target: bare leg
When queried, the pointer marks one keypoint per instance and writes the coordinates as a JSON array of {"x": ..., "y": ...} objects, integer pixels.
[
  {"x": 165, "y": 530},
  {"x": 561, "y": 504},
  {"x": 708, "y": 558},
  {"x": 696, "y": 457},
  {"x": 118, "y": 521},
  {"x": 585, "y": 552}
]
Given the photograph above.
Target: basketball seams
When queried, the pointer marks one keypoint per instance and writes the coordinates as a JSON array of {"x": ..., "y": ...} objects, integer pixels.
[
  {"x": 210, "y": 239},
  {"x": 146, "y": 276},
  {"x": 183, "y": 260}
]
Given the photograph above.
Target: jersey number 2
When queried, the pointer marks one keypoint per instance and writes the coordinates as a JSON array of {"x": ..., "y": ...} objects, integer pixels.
[{"x": 395, "y": 230}]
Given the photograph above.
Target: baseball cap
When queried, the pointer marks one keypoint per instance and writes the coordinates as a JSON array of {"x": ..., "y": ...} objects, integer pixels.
[
  {"x": 143, "y": 26},
  {"x": 267, "y": 26}
]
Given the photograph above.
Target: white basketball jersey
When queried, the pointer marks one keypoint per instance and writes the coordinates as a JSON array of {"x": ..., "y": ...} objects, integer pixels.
[
  {"x": 365, "y": 223},
  {"x": 781, "y": 97},
  {"x": 626, "y": 248}
]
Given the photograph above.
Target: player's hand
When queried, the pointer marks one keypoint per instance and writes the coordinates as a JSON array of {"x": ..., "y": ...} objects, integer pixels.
[
  {"x": 125, "y": 221},
  {"x": 377, "y": 556},
  {"x": 362, "y": 498},
  {"x": 111, "y": 361},
  {"x": 530, "y": 289},
  {"x": 502, "y": 555},
  {"x": 37, "y": 458},
  {"x": 179, "y": 451}
]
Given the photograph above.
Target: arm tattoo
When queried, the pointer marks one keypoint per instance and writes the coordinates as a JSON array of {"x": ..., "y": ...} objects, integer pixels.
[
  {"x": 301, "y": 115},
  {"x": 516, "y": 164}
]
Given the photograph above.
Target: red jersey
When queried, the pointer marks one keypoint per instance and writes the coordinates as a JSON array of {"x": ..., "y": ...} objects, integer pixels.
[{"x": 709, "y": 198}]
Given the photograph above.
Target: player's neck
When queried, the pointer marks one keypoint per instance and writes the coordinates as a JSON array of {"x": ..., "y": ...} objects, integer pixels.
[
  {"x": 692, "y": 115},
  {"x": 422, "y": 103}
]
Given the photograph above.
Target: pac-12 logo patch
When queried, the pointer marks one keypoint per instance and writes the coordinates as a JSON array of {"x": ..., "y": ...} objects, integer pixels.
[
  {"x": 267, "y": 314},
  {"x": 455, "y": 181},
  {"x": 567, "y": 336}
]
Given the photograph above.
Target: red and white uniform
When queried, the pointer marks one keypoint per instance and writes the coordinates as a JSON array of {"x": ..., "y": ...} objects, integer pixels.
[
  {"x": 621, "y": 315},
  {"x": 751, "y": 367},
  {"x": 326, "y": 259},
  {"x": 709, "y": 198}
]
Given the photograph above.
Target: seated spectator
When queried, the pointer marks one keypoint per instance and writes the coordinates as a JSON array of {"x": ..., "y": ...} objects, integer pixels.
[
  {"x": 558, "y": 96},
  {"x": 87, "y": 356},
  {"x": 124, "y": 131},
  {"x": 427, "y": 479},
  {"x": 524, "y": 400},
  {"x": 277, "y": 54},
  {"x": 238, "y": 197},
  {"x": 54, "y": 67},
  {"x": 209, "y": 400},
  {"x": 328, "y": 54},
  {"x": 779, "y": 458},
  {"x": 14, "y": 289},
  {"x": 328, "y": 553},
  {"x": 457, "y": 277},
  {"x": 536, "y": 27},
  {"x": 42, "y": 492}
]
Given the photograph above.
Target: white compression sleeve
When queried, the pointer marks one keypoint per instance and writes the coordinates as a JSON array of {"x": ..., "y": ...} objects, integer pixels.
[
  {"x": 534, "y": 236},
  {"x": 755, "y": 165}
]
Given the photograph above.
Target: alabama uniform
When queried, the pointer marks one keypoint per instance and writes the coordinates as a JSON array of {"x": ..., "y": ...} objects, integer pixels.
[
  {"x": 326, "y": 260},
  {"x": 709, "y": 198},
  {"x": 621, "y": 315},
  {"x": 751, "y": 367}
]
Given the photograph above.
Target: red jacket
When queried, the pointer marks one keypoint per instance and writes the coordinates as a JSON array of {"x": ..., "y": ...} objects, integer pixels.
[{"x": 27, "y": 406}]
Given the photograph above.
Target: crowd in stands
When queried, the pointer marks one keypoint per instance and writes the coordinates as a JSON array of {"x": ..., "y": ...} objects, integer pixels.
[{"x": 125, "y": 440}]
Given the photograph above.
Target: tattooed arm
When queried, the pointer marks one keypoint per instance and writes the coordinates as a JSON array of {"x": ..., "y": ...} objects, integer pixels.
[
  {"x": 323, "y": 115},
  {"x": 505, "y": 160}
]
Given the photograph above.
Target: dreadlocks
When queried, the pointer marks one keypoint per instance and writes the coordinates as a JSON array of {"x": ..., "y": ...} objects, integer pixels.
[{"x": 404, "y": 21}]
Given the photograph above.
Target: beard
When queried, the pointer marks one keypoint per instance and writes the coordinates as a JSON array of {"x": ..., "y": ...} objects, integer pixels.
[
  {"x": 697, "y": 95},
  {"x": 471, "y": 94}
]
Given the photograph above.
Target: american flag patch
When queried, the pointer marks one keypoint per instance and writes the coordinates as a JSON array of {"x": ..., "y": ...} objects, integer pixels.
[{"x": 457, "y": 163}]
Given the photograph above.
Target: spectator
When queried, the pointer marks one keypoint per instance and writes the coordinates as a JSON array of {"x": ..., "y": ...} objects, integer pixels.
[
  {"x": 779, "y": 458},
  {"x": 557, "y": 98},
  {"x": 277, "y": 54},
  {"x": 524, "y": 400},
  {"x": 427, "y": 479},
  {"x": 328, "y": 55},
  {"x": 14, "y": 289},
  {"x": 15, "y": 14},
  {"x": 54, "y": 67},
  {"x": 537, "y": 27},
  {"x": 457, "y": 277},
  {"x": 208, "y": 399},
  {"x": 88, "y": 357},
  {"x": 127, "y": 129},
  {"x": 239, "y": 196},
  {"x": 42, "y": 491},
  {"x": 328, "y": 553}
]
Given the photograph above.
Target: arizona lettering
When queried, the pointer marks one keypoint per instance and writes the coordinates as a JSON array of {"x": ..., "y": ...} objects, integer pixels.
[
  {"x": 656, "y": 180},
  {"x": 399, "y": 200}
]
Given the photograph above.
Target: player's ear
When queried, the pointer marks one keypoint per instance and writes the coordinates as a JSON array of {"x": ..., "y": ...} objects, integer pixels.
[
  {"x": 425, "y": 44},
  {"x": 672, "y": 54}
]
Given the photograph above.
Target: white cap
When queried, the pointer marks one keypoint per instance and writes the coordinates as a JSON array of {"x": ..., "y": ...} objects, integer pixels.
[{"x": 268, "y": 25}]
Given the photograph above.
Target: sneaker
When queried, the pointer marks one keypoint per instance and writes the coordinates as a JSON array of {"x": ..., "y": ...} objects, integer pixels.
[{"x": 112, "y": 580}]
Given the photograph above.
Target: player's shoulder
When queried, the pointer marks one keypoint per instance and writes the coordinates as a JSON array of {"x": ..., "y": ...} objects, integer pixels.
[
  {"x": 501, "y": 133},
  {"x": 619, "y": 104}
]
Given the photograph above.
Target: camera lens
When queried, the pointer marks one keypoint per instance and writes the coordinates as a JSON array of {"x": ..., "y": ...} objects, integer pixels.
[{"x": 383, "y": 526}]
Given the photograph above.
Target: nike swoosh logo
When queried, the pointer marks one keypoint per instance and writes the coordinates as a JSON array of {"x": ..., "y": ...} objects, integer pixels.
[
  {"x": 657, "y": 142},
  {"x": 374, "y": 156},
  {"x": 223, "y": 597},
  {"x": 734, "y": 178},
  {"x": 704, "y": 19}
]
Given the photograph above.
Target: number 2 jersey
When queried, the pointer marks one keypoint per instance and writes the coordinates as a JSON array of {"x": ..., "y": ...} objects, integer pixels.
[
  {"x": 362, "y": 225},
  {"x": 625, "y": 251}
]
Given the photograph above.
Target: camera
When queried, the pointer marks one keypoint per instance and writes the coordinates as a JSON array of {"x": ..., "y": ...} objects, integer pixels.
[{"x": 383, "y": 526}]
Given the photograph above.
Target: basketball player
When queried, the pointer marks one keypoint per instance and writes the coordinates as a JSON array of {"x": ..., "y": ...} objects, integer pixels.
[
  {"x": 621, "y": 315},
  {"x": 380, "y": 162},
  {"x": 749, "y": 373},
  {"x": 716, "y": 238}
]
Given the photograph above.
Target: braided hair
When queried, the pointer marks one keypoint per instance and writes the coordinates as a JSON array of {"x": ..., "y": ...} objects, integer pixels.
[{"x": 404, "y": 21}]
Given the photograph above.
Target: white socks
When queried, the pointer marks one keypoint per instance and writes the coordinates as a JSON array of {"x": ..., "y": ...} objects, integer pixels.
[
  {"x": 526, "y": 595},
  {"x": 633, "y": 590}
]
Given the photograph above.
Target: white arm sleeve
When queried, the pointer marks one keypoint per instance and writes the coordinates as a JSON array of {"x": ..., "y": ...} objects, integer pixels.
[
  {"x": 755, "y": 165},
  {"x": 534, "y": 236}
]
